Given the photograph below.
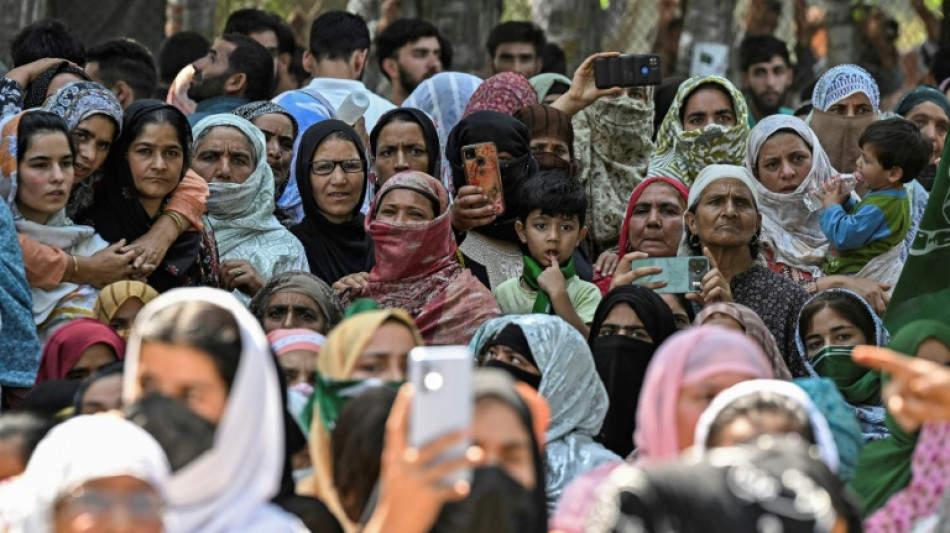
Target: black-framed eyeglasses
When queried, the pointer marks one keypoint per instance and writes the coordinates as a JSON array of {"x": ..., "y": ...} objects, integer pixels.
[{"x": 324, "y": 168}]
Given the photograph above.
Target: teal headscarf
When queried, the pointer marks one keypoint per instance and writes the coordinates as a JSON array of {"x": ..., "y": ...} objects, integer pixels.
[
  {"x": 844, "y": 426},
  {"x": 574, "y": 392},
  {"x": 543, "y": 83},
  {"x": 920, "y": 95}
]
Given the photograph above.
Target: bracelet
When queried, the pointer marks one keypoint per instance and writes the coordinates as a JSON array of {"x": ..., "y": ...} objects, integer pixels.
[
  {"x": 180, "y": 222},
  {"x": 75, "y": 266}
]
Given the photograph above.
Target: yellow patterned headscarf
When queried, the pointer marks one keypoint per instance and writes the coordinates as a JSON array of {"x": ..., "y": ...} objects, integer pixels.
[{"x": 112, "y": 296}]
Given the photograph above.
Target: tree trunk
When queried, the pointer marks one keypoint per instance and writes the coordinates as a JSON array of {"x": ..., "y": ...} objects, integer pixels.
[
  {"x": 575, "y": 25},
  {"x": 707, "y": 21},
  {"x": 468, "y": 24},
  {"x": 842, "y": 33},
  {"x": 199, "y": 16}
]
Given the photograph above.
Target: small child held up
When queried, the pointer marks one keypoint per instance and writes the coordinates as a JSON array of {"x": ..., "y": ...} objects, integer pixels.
[
  {"x": 550, "y": 225},
  {"x": 893, "y": 152}
]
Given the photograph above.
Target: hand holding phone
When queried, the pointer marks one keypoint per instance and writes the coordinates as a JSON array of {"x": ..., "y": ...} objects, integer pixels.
[
  {"x": 681, "y": 274},
  {"x": 627, "y": 71}
]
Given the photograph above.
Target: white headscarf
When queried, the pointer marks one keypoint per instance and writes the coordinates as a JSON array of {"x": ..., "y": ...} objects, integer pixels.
[
  {"x": 823, "y": 436},
  {"x": 707, "y": 177},
  {"x": 229, "y": 487},
  {"x": 79, "y": 450},
  {"x": 788, "y": 227},
  {"x": 841, "y": 82},
  {"x": 242, "y": 214}
]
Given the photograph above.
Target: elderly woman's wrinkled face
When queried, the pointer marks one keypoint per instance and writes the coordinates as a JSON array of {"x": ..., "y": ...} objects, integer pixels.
[
  {"x": 784, "y": 162},
  {"x": 118, "y": 504},
  {"x": 500, "y": 433},
  {"x": 708, "y": 106},
  {"x": 386, "y": 354},
  {"x": 656, "y": 221},
  {"x": 224, "y": 155},
  {"x": 278, "y": 133},
  {"x": 401, "y": 146},
  {"x": 726, "y": 215},
  {"x": 856, "y": 105},
  {"x": 288, "y": 310},
  {"x": 402, "y": 207}
]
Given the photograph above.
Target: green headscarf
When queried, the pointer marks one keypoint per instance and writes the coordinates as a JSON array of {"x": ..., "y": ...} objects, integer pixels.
[
  {"x": 542, "y": 83},
  {"x": 884, "y": 465}
]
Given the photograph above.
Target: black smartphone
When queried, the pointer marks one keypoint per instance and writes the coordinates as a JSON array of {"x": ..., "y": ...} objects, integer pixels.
[{"x": 627, "y": 71}]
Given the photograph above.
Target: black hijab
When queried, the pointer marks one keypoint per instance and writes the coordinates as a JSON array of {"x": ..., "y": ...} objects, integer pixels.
[
  {"x": 429, "y": 133},
  {"x": 768, "y": 485},
  {"x": 333, "y": 250},
  {"x": 116, "y": 211},
  {"x": 509, "y": 135},
  {"x": 35, "y": 92},
  {"x": 622, "y": 361}
]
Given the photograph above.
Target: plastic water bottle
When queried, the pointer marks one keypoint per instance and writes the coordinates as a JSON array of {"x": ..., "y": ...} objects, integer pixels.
[
  {"x": 848, "y": 182},
  {"x": 356, "y": 103}
]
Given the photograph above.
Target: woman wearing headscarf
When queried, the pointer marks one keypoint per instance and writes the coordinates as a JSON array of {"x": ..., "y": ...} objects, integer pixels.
[
  {"x": 119, "y": 303},
  {"x": 929, "y": 110},
  {"x": 31, "y": 84},
  {"x": 417, "y": 267},
  {"x": 569, "y": 383},
  {"x": 252, "y": 245},
  {"x": 844, "y": 425},
  {"x": 552, "y": 136},
  {"x": 613, "y": 149},
  {"x": 846, "y": 100},
  {"x": 94, "y": 118},
  {"x": 280, "y": 131},
  {"x": 722, "y": 492},
  {"x": 36, "y": 176},
  {"x": 885, "y": 466},
  {"x": 788, "y": 162},
  {"x": 201, "y": 337},
  {"x": 296, "y": 300},
  {"x": 78, "y": 349},
  {"x": 505, "y": 92},
  {"x": 144, "y": 168},
  {"x": 404, "y": 139},
  {"x": 739, "y": 317},
  {"x": 81, "y": 464},
  {"x": 444, "y": 97},
  {"x": 364, "y": 350},
  {"x": 332, "y": 230},
  {"x": 723, "y": 217},
  {"x": 629, "y": 325},
  {"x": 754, "y": 401},
  {"x": 550, "y": 86},
  {"x": 708, "y": 123},
  {"x": 839, "y": 317}
]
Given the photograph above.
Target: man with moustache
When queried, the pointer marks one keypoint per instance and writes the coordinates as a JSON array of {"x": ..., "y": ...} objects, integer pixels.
[
  {"x": 766, "y": 76},
  {"x": 411, "y": 51}
]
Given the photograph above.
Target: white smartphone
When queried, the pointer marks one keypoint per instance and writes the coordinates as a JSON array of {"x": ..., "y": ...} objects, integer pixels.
[{"x": 442, "y": 378}]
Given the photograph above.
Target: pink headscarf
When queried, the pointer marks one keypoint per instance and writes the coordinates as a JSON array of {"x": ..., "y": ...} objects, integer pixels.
[
  {"x": 685, "y": 359},
  {"x": 287, "y": 340},
  {"x": 67, "y": 344},
  {"x": 624, "y": 228},
  {"x": 505, "y": 92},
  {"x": 754, "y": 327}
]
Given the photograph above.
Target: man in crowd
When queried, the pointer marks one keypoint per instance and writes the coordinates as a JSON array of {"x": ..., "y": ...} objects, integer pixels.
[
  {"x": 274, "y": 35},
  {"x": 410, "y": 51},
  {"x": 766, "y": 76},
  {"x": 125, "y": 67},
  {"x": 236, "y": 70},
  {"x": 516, "y": 47}
]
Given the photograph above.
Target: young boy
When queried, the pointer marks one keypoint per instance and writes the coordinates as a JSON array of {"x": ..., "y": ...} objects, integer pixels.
[
  {"x": 893, "y": 152},
  {"x": 550, "y": 225}
]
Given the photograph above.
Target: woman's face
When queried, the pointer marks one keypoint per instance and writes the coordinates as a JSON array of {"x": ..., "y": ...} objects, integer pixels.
[
  {"x": 623, "y": 320},
  {"x": 680, "y": 316},
  {"x": 125, "y": 315},
  {"x": 724, "y": 320},
  {"x": 504, "y": 354},
  {"x": 104, "y": 394},
  {"x": 828, "y": 328},
  {"x": 933, "y": 123},
  {"x": 499, "y": 432},
  {"x": 288, "y": 310},
  {"x": 708, "y": 106},
  {"x": 45, "y": 177},
  {"x": 118, "y": 504},
  {"x": 784, "y": 162},
  {"x": 401, "y": 146},
  {"x": 402, "y": 207},
  {"x": 337, "y": 194},
  {"x": 156, "y": 158},
  {"x": 278, "y": 133},
  {"x": 656, "y": 221},
  {"x": 183, "y": 373},
  {"x": 386, "y": 353},
  {"x": 92, "y": 138},
  {"x": 695, "y": 398},
  {"x": 92, "y": 359},
  {"x": 224, "y": 156},
  {"x": 856, "y": 105},
  {"x": 726, "y": 215},
  {"x": 552, "y": 145},
  {"x": 298, "y": 366}
]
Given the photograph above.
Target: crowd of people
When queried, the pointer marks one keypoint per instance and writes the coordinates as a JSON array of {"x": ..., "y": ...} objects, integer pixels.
[{"x": 213, "y": 270}]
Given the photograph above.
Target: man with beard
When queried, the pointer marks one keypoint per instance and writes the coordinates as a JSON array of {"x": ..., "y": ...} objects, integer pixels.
[
  {"x": 410, "y": 51},
  {"x": 237, "y": 70},
  {"x": 766, "y": 76}
]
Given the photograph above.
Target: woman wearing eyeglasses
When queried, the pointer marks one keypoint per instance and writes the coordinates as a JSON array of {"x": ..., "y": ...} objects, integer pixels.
[{"x": 331, "y": 177}]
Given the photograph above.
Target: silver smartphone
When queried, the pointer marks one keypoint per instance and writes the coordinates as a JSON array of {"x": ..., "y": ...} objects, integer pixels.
[
  {"x": 681, "y": 274},
  {"x": 442, "y": 378}
]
